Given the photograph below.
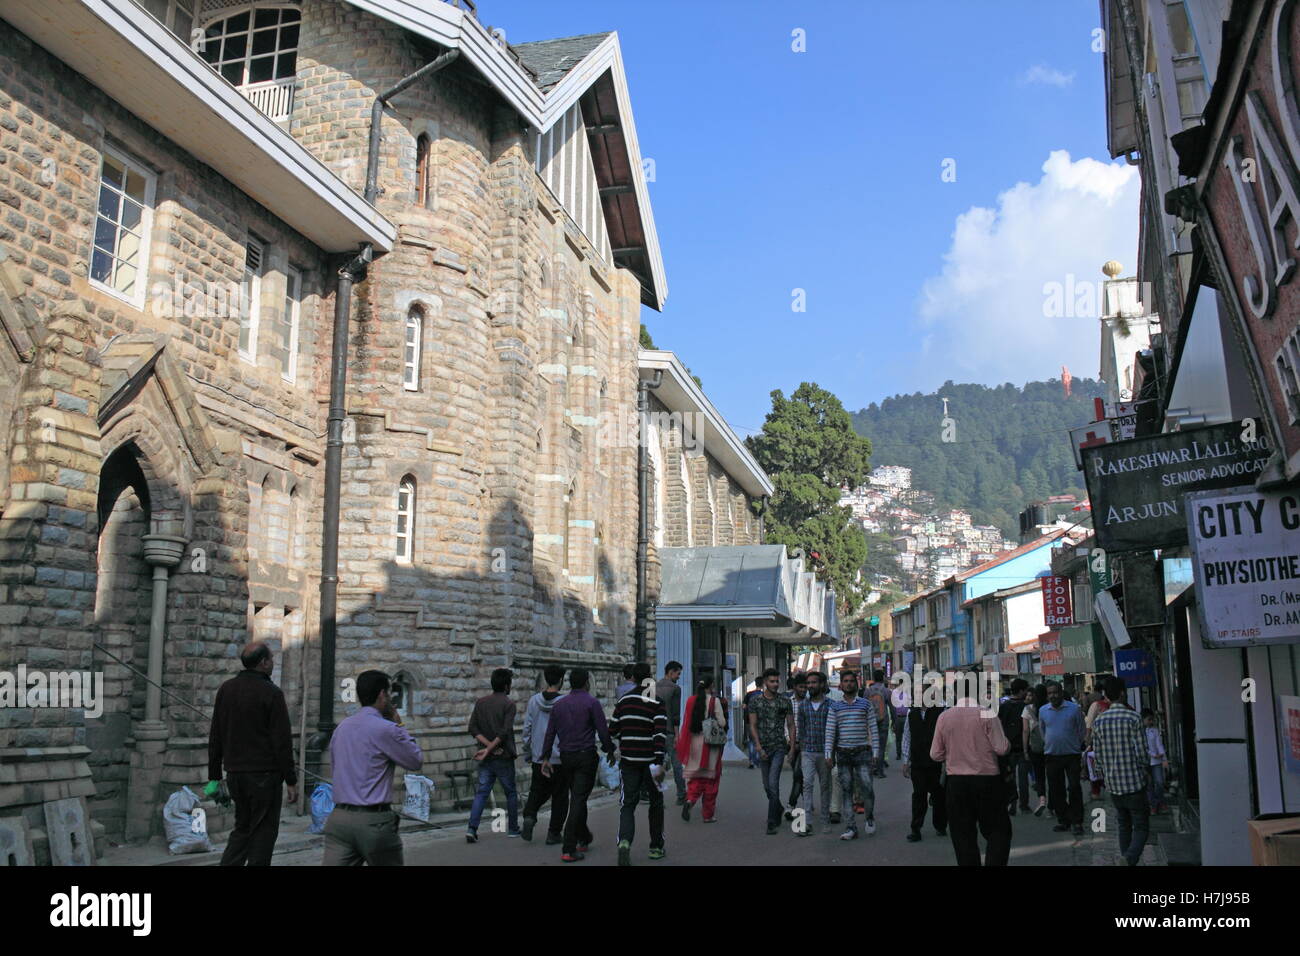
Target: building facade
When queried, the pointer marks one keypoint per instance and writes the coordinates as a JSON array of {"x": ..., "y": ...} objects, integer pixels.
[{"x": 168, "y": 291}]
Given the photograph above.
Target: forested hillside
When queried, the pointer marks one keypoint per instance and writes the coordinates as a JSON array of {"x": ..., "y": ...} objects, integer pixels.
[{"x": 1010, "y": 448}]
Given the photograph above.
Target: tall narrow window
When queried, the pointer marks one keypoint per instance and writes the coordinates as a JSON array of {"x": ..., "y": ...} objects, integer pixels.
[
  {"x": 422, "y": 170},
  {"x": 250, "y": 292},
  {"x": 292, "y": 315},
  {"x": 121, "y": 252},
  {"x": 411, "y": 350},
  {"x": 405, "y": 546}
]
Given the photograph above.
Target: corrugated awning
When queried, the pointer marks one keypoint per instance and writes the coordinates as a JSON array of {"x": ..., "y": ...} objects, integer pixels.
[{"x": 757, "y": 588}]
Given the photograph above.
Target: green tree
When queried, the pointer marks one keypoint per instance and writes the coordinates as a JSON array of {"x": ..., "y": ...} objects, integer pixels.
[{"x": 810, "y": 450}]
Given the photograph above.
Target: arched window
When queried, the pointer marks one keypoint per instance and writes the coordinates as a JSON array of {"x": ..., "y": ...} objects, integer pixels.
[
  {"x": 411, "y": 350},
  {"x": 422, "y": 170},
  {"x": 404, "y": 549},
  {"x": 256, "y": 49}
]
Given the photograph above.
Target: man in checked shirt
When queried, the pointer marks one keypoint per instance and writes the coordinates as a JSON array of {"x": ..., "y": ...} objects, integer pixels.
[{"x": 1120, "y": 742}]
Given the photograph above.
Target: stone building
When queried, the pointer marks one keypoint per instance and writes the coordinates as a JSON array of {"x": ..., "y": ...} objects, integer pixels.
[{"x": 182, "y": 182}]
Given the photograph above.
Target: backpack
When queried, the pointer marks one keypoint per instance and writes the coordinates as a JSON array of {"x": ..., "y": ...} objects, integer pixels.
[
  {"x": 878, "y": 701},
  {"x": 1036, "y": 743},
  {"x": 1009, "y": 713}
]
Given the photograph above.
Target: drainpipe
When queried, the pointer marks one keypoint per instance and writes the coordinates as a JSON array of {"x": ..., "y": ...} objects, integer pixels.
[
  {"x": 353, "y": 270},
  {"x": 643, "y": 510},
  {"x": 377, "y": 118}
]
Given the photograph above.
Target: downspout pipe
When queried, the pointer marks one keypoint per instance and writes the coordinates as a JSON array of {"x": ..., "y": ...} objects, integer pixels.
[
  {"x": 377, "y": 118},
  {"x": 349, "y": 274},
  {"x": 643, "y": 510}
]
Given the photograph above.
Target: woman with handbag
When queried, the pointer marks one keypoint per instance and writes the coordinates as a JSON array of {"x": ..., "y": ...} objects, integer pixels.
[{"x": 700, "y": 748}]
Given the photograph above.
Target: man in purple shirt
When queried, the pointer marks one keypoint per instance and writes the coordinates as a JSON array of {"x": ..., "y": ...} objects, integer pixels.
[
  {"x": 363, "y": 753},
  {"x": 576, "y": 720}
]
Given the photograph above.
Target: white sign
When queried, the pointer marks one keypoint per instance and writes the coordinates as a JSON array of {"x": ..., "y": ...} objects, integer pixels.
[
  {"x": 1123, "y": 420},
  {"x": 1246, "y": 558}
]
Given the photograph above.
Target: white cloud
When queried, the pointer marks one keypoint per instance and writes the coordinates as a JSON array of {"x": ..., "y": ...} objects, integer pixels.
[
  {"x": 1046, "y": 76},
  {"x": 985, "y": 318}
]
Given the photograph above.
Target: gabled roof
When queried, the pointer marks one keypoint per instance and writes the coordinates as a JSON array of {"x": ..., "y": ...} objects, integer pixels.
[
  {"x": 1004, "y": 557},
  {"x": 596, "y": 79},
  {"x": 552, "y": 60}
]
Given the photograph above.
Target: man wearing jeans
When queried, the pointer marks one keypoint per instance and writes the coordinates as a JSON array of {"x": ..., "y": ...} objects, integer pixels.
[
  {"x": 1120, "y": 742},
  {"x": 811, "y": 722},
  {"x": 671, "y": 694},
  {"x": 492, "y": 725},
  {"x": 576, "y": 721},
  {"x": 852, "y": 737},
  {"x": 771, "y": 725},
  {"x": 1063, "y": 730}
]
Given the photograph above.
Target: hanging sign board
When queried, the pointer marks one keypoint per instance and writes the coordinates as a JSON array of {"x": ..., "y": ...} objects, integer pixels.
[
  {"x": 1136, "y": 487},
  {"x": 1057, "y": 602},
  {"x": 1246, "y": 558}
]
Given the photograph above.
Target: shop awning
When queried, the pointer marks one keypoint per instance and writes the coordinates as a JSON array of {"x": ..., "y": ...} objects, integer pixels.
[{"x": 757, "y": 588}]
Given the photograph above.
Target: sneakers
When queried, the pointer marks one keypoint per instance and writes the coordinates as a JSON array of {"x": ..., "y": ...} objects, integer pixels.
[
  {"x": 572, "y": 857},
  {"x": 871, "y": 826},
  {"x": 686, "y": 812},
  {"x": 624, "y": 853},
  {"x": 527, "y": 832},
  {"x": 850, "y": 834},
  {"x": 471, "y": 836},
  {"x": 515, "y": 834},
  {"x": 657, "y": 853},
  {"x": 1041, "y": 808},
  {"x": 710, "y": 819},
  {"x": 914, "y": 836}
]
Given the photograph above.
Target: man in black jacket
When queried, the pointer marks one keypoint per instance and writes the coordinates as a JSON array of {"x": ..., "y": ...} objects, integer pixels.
[
  {"x": 924, "y": 772},
  {"x": 250, "y": 735}
]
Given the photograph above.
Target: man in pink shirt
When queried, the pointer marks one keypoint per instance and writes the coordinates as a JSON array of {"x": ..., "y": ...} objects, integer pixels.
[{"x": 969, "y": 740}]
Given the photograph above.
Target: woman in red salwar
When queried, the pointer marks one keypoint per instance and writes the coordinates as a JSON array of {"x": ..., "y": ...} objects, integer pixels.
[{"x": 702, "y": 761}]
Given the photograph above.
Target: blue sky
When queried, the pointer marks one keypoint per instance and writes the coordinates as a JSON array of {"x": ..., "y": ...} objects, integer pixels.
[{"x": 821, "y": 171}]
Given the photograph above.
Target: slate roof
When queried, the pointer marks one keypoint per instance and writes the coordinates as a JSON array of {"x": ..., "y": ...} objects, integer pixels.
[{"x": 551, "y": 60}]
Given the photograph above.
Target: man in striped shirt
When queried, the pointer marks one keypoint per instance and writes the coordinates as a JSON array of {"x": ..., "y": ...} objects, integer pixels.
[
  {"x": 852, "y": 737},
  {"x": 640, "y": 725},
  {"x": 1120, "y": 742}
]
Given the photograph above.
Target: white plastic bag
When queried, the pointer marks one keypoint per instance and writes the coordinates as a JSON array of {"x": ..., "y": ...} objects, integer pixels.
[
  {"x": 187, "y": 831},
  {"x": 610, "y": 775},
  {"x": 419, "y": 794}
]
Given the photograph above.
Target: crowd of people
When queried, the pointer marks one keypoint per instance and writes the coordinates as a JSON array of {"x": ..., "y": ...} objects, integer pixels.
[{"x": 969, "y": 773}]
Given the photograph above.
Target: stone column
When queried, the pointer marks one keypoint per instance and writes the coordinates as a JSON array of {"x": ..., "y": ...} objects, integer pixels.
[{"x": 163, "y": 552}]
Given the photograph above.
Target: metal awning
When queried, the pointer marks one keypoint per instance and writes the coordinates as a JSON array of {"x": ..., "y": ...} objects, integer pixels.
[{"x": 756, "y": 588}]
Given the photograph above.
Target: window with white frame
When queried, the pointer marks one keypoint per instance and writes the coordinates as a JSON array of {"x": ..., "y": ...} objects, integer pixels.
[
  {"x": 250, "y": 294},
  {"x": 256, "y": 49},
  {"x": 176, "y": 15},
  {"x": 411, "y": 349},
  {"x": 404, "y": 549},
  {"x": 120, "y": 257},
  {"x": 291, "y": 323}
]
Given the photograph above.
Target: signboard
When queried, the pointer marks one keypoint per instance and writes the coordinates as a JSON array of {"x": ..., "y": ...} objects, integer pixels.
[
  {"x": 1111, "y": 621},
  {"x": 1246, "y": 558},
  {"x": 1049, "y": 653},
  {"x": 989, "y": 663},
  {"x": 909, "y": 661},
  {"x": 1136, "y": 487},
  {"x": 1136, "y": 667},
  {"x": 1007, "y": 664},
  {"x": 1100, "y": 575},
  {"x": 1123, "y": 420},
  {"x": 1085, "y": 436},
  {"x": 1288, "y": 731},
  {"x": 1083, "y": 650},
  {"x": 1058, "y": 610},
  {"x": 1247, "y": 186}
]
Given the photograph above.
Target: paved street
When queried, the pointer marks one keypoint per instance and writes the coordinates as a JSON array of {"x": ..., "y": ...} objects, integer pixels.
[{"x": 739, "y": 838}]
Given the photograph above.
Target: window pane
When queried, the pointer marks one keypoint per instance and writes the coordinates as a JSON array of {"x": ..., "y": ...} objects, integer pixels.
[
  {"x": 287, "y": 65},
  {"x": 128, "y": 247},
  {"x": 109, "y": 204},
  {"x": 135, "y": 185},
  {"x": 289, "y": 37},
  {"x": 112, "y": 172},
  {"x": 263, "y": 18},
  {"x": 264, "y": 42},
  {"x": 401, "y": 522},
  {"x": 236, "y": 23},
  {"x": 235, "y": 47},
  {"x": 261, "y": 69},
  {"x": 234, "y": 72},
  {"x": 105, "y": 235},
  {"x": 132, "y": 213},
  {"x": 101, "y": 266},
  {"x": 124, "y": 279}
]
